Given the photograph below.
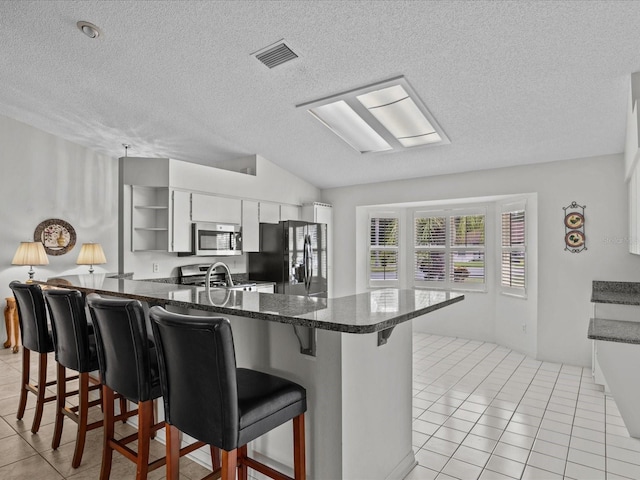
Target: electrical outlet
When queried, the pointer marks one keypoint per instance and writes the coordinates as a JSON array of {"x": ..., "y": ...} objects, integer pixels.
[
  {"x": 156, "y": 268},
  {"x": 524, "y": 328}
]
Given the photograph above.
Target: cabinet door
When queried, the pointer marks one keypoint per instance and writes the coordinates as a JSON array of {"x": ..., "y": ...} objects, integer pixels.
[
  {"x": 317, "y": 213},
  {"x": 180, "y": 221},
  {"x": 289, "y": 212},
  {"x": 269, "y": 212},
  {"x": 211, "y": 208},
  {"x": 250, "y": 226}
]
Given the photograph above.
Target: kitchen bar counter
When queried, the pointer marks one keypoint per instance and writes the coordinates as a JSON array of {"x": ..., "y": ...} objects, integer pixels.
[
  {"x": 363, "y": 313},
  {"x": 620, "y": 293},
  {"x": 358, "y": 378},
  {"x": 620, "y": 331}
]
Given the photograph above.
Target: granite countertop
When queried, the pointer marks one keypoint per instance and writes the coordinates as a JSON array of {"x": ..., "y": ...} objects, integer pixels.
[
  {"x": 362, "y": 313},
  {"x": 621, "y": 293},
  {"x": 614, "y": 330}
]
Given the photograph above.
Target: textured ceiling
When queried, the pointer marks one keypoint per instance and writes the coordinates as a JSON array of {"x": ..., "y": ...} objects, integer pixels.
[{"x": 509, "y": 82}]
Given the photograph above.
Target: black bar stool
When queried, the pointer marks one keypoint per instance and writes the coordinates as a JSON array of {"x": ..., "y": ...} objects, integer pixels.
[
  {"x": 129, "y": 366},
  {"x": 36, "y": 337},
  {"x": 207, "y": 397},
  {"x": 75, "y": 346}
]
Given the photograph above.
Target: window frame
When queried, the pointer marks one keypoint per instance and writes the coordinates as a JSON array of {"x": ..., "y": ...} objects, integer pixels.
[
  {"x": 448, "y": 213},
  {"x": 377, "y": 283}
]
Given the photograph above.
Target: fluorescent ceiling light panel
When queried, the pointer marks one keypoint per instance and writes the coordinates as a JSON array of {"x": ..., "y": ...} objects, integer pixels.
[
  {"x": 348, "y": 125},
  {"x": 394, "y": 108},
  {"x": 380, "y": 117}
]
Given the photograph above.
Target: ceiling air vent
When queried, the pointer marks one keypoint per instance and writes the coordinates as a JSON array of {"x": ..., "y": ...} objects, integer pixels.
[{"x": 276, "y": 55}]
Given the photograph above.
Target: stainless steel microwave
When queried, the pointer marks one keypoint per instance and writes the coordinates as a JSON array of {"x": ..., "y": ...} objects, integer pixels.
[{"x": 216, "y": 239}]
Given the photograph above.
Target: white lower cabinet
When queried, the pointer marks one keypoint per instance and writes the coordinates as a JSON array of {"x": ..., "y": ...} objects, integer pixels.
[{"x": 265, "y": 288}]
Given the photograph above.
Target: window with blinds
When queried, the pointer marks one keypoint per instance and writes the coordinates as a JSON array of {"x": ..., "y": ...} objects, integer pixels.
[
  {"x": 513, "y": 259},
  {"x": 383, "y": 249},
  {"x": 449, "y": 249}
]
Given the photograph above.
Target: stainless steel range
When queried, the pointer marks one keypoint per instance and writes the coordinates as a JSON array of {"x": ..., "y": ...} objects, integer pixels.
[{"x": 195, "y": 275}]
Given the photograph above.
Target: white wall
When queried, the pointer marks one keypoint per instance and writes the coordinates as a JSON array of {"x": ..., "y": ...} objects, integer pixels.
[
  {"x": 564, "y": 279},
  {"x": 46, "y": 177}
]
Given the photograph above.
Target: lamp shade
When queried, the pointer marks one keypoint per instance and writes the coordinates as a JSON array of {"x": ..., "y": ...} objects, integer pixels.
[
  {"x": 91, "y": 254},
  {"x": 30, "y": 253}
]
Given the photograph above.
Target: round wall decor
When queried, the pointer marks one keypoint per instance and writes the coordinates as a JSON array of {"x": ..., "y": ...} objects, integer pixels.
[{"x": 57, "y": 236}]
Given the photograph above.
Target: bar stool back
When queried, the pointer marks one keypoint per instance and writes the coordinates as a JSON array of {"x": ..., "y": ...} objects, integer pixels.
[
  {"x": 36, "y": 337},
  {"x": 129, "y": 366},
  {"x": 75, "y": 347},
  {"x": 207, "y": 397}
]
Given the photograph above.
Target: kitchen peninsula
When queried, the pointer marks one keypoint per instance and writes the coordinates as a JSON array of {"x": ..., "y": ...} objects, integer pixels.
[
  {"x": 616, "y": 335},
  {"x": 358, "y": 376}
]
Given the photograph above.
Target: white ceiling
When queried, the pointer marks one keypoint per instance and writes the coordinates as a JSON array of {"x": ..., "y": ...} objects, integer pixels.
[{"x": 509, "y": 82}]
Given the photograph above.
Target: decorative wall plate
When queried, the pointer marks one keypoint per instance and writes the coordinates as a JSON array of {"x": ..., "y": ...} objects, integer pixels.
[
  {"x": 57, "y": 236},
  {"x": 574, "y": 220},
  {"x": 574, "y": 239}
]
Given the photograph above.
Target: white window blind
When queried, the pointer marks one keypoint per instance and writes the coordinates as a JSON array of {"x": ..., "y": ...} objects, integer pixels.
[
  {"x": 449, "y": 249},
  {"x": 383, "y": 249},
  {"x": 513, "y": 243}
]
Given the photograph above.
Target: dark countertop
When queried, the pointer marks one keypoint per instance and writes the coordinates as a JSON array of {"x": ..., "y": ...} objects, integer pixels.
[
  {"x": 362, "y": 313},
  {"x": 614, "y": 330},
  {"x": 621, "y": 293}
]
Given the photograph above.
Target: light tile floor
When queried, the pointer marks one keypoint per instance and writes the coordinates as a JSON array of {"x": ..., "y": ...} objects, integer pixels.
[
  {"x": 24, "y": 455},
  {"x": 480, "y": 411},
  {"x": 483, "y": 411}
]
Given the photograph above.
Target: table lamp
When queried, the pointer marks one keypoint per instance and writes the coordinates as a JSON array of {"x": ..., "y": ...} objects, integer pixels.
[
  {"x": 30, "y": 253},
  {"x": 91, "y": 254}
]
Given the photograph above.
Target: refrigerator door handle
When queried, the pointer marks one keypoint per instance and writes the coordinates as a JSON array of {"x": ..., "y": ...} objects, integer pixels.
[
  {"x": 308, "y": 263},
  {"x": 310, "y": 257}
]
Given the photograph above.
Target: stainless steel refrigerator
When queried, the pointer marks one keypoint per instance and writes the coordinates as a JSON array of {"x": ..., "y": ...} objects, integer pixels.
[{"x": 293, "y": 254}]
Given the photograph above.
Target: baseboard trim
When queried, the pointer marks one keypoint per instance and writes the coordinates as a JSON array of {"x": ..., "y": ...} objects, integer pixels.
[{"x": 404, "y": 467}]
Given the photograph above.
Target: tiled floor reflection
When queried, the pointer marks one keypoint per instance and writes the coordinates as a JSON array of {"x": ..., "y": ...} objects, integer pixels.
[{"x": 482, "y": 411}]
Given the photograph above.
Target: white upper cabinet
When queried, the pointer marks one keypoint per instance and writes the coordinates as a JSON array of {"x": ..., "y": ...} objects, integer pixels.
[
  {"x": 250, "y": 226},
  {"x": 211, "y": 208},
  {"x": 289, "y": 212},
  {"x": 269, "y": 212},
  {"x": 180, "y": 222},
  {"x": 149, "y": 218}
]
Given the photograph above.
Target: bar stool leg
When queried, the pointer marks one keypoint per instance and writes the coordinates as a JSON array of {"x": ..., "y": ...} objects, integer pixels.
[
  {"x": 229, "y": 464},
  {"x": 145, "y": 422},
  {"x": 61, "y": 390},
  {"x": 173, "y": 452},
  {"x": 108, "y": 425},
  {"x": 299, "y": 465},
  {"x": 42, "y": 386},
  {"x": 243, "y": 470},
  {"x": 215, "y": 457},
  {"x": 26, "y": 367},
  {"x": 83, "y": 414}
]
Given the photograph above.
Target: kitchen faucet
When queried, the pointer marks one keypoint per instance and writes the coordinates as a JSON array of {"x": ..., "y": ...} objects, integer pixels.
[{"x": 207, "y": 280}]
